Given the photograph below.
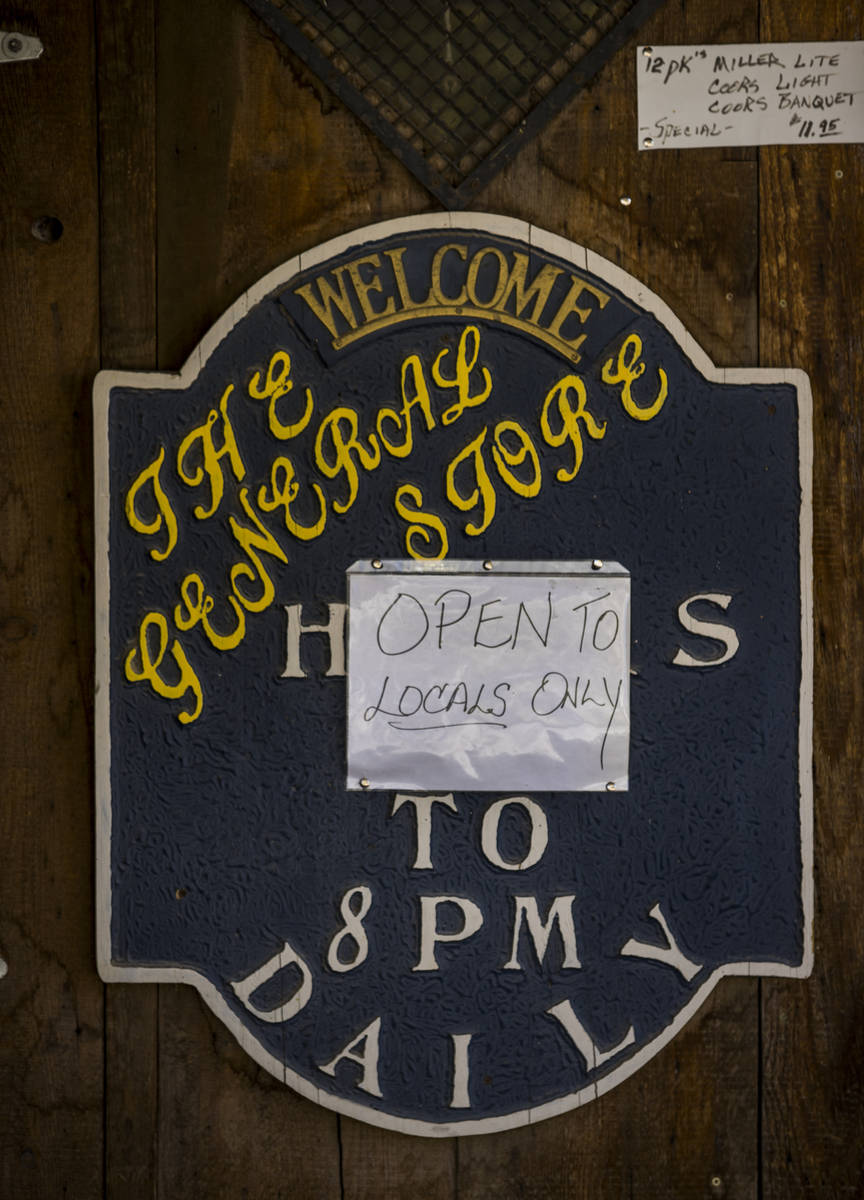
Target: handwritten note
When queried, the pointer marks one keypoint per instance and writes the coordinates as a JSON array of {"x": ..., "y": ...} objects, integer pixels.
[
  {"x": 462, "y": 678},
  {"x": 802, "y": 93}
]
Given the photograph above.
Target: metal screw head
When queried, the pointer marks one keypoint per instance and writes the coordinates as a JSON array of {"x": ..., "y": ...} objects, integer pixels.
[
  {"x": 18, "y": 45},
  {"x": 647, "y": 51},
  {"x": 377, "y": 564},
  {"x": 838, "y": 174},
  {"x": 597, "y": 564},
  {"x": 487, "y": 566},
  {"x": 364, "y": 782},
  {"x": 610, "y": 786},
  {"x": 648, "y": 141},
  {"x": 625, "y": 201}
]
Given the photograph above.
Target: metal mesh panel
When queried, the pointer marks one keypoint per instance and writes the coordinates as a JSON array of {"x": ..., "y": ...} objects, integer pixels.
[{"x": 455, "y": 81}]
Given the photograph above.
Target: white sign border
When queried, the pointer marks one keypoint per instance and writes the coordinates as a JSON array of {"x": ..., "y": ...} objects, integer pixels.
[{"x": 584, "y": 259}]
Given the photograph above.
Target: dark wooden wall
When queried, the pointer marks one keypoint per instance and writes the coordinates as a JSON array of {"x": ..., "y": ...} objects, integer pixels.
[{"x": 186, "y": 153}]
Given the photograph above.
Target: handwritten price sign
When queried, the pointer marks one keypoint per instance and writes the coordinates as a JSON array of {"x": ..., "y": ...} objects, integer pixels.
[{"x": 759, "y": 95}]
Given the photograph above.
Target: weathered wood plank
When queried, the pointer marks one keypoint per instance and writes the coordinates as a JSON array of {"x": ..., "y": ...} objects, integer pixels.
[
  {"x": 127, "y": 225},
  {"x": 381, "y": 1165},
  {"x": 127, "y": 182},
  {"x": 689, "y": 233},
  {"x": 50, "y": 999},
  {"x": 225, "y": 1126},
  {"x": 254, "y": 163},
  {"x": 811, "y": 283},
  {"x": 241, "y": 191}
]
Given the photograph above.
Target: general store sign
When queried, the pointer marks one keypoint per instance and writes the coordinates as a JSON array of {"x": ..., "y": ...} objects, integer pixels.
[{"x": 454, "y": 673}]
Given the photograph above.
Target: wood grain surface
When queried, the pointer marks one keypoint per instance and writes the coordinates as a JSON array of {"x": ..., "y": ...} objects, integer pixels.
[
  {"x": 186, "y": 152},
  {"x": 127, "y": 306},
  {"x": 810, "y": 284},
  {"x": 51, "y": 1002}
]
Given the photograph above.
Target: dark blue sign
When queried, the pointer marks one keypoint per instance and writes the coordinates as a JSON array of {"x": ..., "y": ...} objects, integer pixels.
[{"x": 443, "y": 962}]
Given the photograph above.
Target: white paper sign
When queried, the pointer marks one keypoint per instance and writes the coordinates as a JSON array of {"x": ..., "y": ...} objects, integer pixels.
[
  {"x": 759, "y": 95},
  {"x": 501, "y": 679}
]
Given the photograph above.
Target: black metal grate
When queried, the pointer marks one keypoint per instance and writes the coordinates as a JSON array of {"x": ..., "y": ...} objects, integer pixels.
[{"x": 455, "y": 86}]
